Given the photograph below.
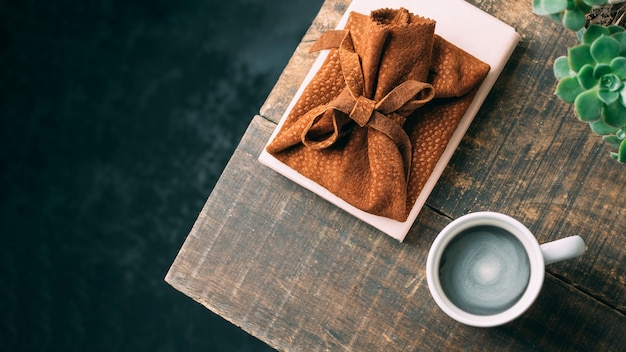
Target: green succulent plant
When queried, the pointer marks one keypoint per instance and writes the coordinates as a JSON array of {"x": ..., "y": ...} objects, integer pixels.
[
  {"x": 593, "y": 78},
  {"x": 571, "y": 13}
]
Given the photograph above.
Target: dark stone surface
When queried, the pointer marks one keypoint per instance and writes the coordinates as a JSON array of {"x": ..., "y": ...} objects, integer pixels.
[{"x": 117, "y": 118}]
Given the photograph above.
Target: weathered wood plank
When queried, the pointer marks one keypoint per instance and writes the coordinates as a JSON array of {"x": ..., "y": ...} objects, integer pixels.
[{"x": 300, "y": 274}]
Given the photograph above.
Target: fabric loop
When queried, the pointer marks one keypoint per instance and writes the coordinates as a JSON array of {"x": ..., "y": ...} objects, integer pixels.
[
  {"x": 362, "y": 111},
  {"x": 322, "y": 142},
  {"x": 411, "y": 94}
]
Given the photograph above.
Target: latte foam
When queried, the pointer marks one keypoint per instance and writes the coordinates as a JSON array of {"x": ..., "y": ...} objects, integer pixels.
[{"x": 484, "y": 270}]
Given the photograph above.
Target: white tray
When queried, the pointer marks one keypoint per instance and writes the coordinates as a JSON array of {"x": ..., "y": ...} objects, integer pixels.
[{"x": 460, "y": 23}]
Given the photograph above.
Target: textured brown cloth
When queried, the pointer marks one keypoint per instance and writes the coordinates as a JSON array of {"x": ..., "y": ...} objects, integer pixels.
[{"x": 376, "y": 117}]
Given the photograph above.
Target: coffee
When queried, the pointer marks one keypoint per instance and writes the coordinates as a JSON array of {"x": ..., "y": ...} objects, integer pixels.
[{"x": 484, "y": 270}]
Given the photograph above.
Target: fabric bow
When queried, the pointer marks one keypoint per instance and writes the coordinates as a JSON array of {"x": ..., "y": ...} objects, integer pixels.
[
  {"x": 386, "y": 115},
  {"x": 373, "y": 121}
]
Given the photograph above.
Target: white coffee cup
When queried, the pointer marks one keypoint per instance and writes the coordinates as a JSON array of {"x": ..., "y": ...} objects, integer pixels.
[{"x": 485, "y": 269}]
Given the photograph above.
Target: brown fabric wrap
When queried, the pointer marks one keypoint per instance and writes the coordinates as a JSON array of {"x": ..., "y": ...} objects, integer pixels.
[{"x": 376, "y": 117}]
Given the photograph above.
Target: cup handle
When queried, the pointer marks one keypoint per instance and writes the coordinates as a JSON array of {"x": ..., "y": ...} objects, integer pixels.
[{"x": 565, "y": 248}]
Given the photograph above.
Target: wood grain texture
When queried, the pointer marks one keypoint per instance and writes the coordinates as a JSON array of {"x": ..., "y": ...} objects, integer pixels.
[{"x": 302, "y": 275}]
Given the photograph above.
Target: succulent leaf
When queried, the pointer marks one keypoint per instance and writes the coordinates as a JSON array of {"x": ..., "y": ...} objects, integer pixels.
[
  {"x": 580, "y": 56},
  {"x": 574, "y": 19},
  {"x": 586, "y": 78},
  {"x": 593, "y": 32},
  {"x": 584, "y": 7},
  {"x": 601, "y": 70},
  {"x": 595, "y": 2},
  {"x": 568, "y": 89},
  {"x": 580, "y": 34},
  {"x": 612, "y": 140},
  {"x": 618, "y": 66},
  {"x": 548, "y": 7},
  {"x": 621, "y": 39},
  {"x": 614, "y": 114},
  {"x": 602, "y": 129},
  {"x": 588, "y": 105},
  {"x": 621, "y": 156},
  {"x": 613, "y": 28},
  {"x": 561, "y": 68},
  {"x": 604, "y": 49},
  {"x": 556, "y": 17},
  {"x": 608, "y": 97}
]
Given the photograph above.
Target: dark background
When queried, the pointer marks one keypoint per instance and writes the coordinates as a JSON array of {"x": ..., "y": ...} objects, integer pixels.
[{"x": 117, "y": 118}]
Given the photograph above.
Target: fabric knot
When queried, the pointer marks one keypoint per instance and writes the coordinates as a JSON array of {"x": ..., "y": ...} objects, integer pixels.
[{"x": 362, "y": 111}]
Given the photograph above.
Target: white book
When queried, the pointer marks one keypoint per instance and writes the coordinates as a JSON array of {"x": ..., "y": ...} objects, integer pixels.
[{"x": 460, "y": 23}]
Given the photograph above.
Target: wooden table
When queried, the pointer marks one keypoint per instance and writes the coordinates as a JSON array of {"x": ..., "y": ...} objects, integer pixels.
[{"x": 302, "y": 275}]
